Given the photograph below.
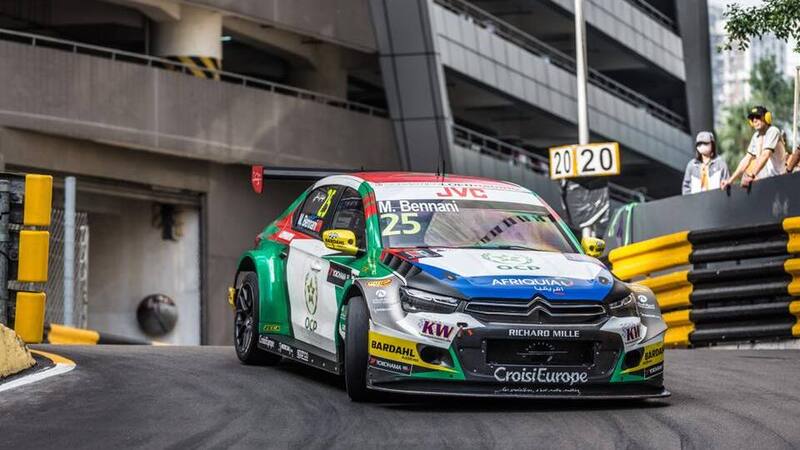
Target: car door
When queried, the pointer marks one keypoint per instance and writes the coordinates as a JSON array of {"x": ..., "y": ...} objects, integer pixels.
[
  {"x": 313, "y": 320},
  {"x": 349, "y": 215}
]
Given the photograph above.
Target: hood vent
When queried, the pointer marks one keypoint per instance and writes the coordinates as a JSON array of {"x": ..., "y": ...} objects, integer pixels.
[{"x": 400, "y": 265}]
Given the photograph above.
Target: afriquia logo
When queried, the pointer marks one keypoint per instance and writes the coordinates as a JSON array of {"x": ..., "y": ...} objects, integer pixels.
[
  {"x": 310, "y": 291},
  {"x": 507, "y": 261}
]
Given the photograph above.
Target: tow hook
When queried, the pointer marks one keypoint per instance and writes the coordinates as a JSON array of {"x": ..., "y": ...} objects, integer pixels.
[{"x": 231, "y": 296}]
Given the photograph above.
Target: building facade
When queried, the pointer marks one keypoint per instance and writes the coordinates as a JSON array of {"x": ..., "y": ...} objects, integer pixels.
[{"x": 158, "y": 107}]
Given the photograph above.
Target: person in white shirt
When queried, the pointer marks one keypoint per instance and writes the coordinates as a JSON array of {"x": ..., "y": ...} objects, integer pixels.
[{"x": 765, "y": 154}]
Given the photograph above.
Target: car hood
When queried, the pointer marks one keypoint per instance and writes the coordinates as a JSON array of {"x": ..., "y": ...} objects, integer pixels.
[{"x": 507, "y": 274}]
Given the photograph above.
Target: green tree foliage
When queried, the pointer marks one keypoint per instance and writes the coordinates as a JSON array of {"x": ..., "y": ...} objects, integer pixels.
[
  {"x": 769, "y": 88},
  {"x": 779, "y": 17}
]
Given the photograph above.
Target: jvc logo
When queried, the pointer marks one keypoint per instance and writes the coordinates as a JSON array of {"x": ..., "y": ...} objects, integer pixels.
[
  {"x": 462, "y": 192},
  {"x": 437, "y": 329}
]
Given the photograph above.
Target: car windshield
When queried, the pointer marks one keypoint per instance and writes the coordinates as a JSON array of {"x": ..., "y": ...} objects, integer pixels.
[{"x": 470, "y": 224}]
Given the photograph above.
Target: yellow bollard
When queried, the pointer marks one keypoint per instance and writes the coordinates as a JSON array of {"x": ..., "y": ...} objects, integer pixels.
[{"x": 29, "y": 319}]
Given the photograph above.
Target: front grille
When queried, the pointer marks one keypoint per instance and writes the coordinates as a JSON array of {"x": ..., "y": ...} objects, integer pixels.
[
  {"x": 540, "y": 353},
  {"x": 537, "y": 310}
]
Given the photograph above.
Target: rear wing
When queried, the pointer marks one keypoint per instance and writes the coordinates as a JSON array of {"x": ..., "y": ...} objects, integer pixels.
[{"x": 259, "y": 173}]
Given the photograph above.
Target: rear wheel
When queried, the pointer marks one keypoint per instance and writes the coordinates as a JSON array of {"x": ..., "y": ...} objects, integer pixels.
[
  {"x": 356, "y": 351},
  {"x": 245, "y": 325}
]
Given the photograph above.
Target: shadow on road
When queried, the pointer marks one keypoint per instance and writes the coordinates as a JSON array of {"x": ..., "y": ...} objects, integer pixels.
[{"x": 411, "y": 403}]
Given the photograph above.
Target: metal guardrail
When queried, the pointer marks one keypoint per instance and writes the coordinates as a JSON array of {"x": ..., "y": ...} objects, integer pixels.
[
  {"x": 654, "y": 14},
  {"x": 562, "y": 60},
  {"x": 519, "y": 156},
  {"x": 163, "y": 63}
]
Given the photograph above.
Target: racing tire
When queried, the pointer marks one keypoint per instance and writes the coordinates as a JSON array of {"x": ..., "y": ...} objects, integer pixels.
[
  {"x": 356, "y": 351},
  {"x": 245, "y": 325}
]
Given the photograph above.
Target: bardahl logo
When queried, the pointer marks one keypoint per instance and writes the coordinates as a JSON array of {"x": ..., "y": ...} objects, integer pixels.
[
  {"x": 400, "y": 350},
  {"x": 653, "y": 353}
]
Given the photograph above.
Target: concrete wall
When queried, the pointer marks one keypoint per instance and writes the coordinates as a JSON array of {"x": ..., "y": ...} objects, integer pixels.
[
  {"x": 636, "y": 30},
  {"x": 231, "y": 213},
  {"x": 769, "y": 201},
  {"x": 88, "y": 97},
  {"x": 502, "y": 65},
  {"x": 128, "y": 260},
  {"x": 345, "y": 22}
]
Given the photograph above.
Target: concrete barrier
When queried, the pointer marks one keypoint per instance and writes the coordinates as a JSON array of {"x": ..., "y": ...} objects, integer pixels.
[{"x": 14, "y": 354}]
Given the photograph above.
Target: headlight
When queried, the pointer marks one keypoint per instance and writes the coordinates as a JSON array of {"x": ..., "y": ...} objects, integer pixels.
[
  {"x": 414, "y": 300},
  {"x": 625, "y": 307}
]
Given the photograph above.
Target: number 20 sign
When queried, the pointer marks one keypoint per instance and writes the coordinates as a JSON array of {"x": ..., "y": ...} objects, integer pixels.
[{"x": 590, "y": 160}]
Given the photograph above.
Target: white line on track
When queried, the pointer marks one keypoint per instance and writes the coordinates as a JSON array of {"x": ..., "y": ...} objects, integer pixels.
[{"x": 58, "y": 369}]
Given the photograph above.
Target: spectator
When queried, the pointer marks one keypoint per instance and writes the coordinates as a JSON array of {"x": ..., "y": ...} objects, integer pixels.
[
  {"x": 765, "y": 154},
  {"x": 792, "y": 160},
  {"x": 706, "y": 170}
]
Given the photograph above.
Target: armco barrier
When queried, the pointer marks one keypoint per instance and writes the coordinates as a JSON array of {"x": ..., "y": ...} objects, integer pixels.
[{"x": 724, "y": 284}]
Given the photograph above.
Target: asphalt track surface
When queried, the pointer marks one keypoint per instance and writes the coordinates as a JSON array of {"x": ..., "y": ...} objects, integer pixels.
[{"x": 189, "y": 397}]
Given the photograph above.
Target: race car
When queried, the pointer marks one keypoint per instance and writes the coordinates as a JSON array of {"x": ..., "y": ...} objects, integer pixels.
[{"x": 448, "y": 285}]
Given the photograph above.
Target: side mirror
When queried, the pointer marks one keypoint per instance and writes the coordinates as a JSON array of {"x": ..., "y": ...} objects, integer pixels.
[
  {"x": 341, "y": 240},
  {"x": 593, "y": 246}
]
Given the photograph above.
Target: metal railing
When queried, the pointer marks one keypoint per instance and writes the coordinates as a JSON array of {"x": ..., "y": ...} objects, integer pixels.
[
  {"x": 655, "y": 14},
  {"x": 518, "y": 156},
  {"x": 562, "y": 60},
  {"x": 498, "y": 149},
  {"x": 163, "y": 63}
]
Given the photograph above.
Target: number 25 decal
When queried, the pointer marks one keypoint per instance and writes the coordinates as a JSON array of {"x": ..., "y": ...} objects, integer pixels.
[{"x": 406, "y": 219}]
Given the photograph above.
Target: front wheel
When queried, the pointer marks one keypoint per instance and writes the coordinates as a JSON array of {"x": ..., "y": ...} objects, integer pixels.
[
  {"x": 356, "y": 351},
  {"x": 245, "y": 325}
]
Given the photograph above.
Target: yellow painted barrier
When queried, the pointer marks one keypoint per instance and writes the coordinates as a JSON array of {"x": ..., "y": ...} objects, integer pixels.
[
  {"x": 792, "y": 267},
  {"x": 791, "y": 226},
  {"x": 794, "y": 309},
  {"x": 33, "y": 256},
  {"x": 678, "y": 336},
  {"x": 672, "y": 290},
  {"x": 29, "y": 318},
  {"x": 61, "y": 334},
  {"x": 38, "y": 200},
  {"x": 652, "y": 255}
]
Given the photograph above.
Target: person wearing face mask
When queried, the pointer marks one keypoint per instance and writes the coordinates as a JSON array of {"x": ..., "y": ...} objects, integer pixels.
[{"x": 706, "y": 170}]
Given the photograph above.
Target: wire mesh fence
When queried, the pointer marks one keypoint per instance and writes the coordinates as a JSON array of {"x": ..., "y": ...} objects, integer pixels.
[{"x": 54, "y": 288}]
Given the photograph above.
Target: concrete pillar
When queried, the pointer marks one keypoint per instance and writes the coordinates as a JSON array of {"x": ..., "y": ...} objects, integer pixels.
[
  {"x": 193, "y": 40},
  {"x": 414, "y": 81},
  {"x": 693, "y": 23}
]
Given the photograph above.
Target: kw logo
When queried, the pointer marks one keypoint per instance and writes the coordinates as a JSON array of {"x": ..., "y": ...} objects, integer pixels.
[
  {"x": 462, "y": 192},
  {"x": 632, "y": 333},
  {"x": 437, "y": 329}
]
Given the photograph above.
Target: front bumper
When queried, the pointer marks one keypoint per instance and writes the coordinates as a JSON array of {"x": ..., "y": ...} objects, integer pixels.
[{"x": 530, "y": 361}]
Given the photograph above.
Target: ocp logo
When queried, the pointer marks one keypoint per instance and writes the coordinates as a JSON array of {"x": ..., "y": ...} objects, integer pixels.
[{"x": 507, "y": 261}]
